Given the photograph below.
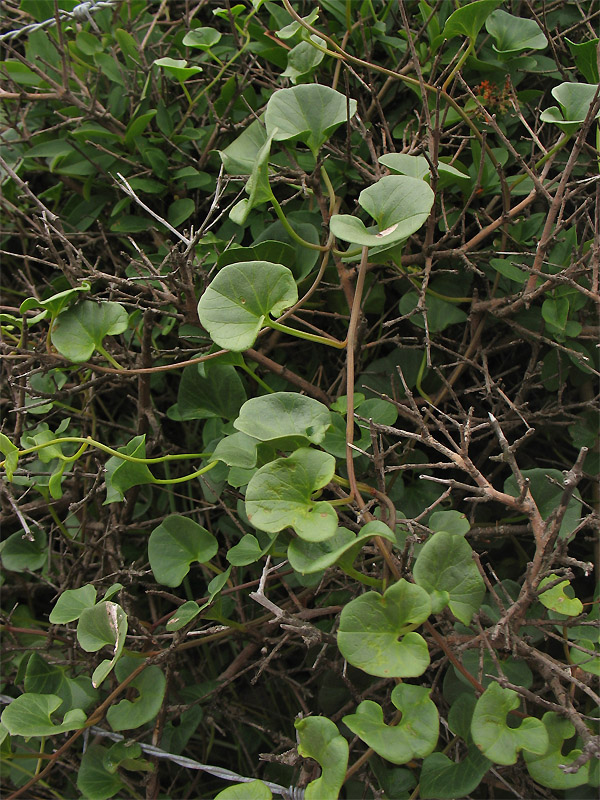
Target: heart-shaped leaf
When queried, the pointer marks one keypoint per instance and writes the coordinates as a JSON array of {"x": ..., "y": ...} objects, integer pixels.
[
  {"x": 279, "y": 495},
  {"x": 443, "y": 779},
  {"x": 237, "y": 450},
  {"x": 174, "y": 545},
  {"x": 29, "y": 715},
  {"x": 556, "y": 599},
  {"x": 513, "y": 34},
  {"x": 274, "y": 416},
  {"x": 309, "y": 113},
  {"x": 238, "y": 302},
  {"x": 319, "y": 738},
  {"x": 450, "y": 522},
  {"x": 177, "y": 68},
  {"x": 303, "y": 58},
  {"x": 575, "y": 100},
  {"x": 80, "y": 330},
  {"x": 71, "y": 603},
  {"x": 104, "y": 624},
  {"x": 219, "y": 392},
  {"x": 150, "y": 684},
  {"x": 468, "y": 20},
  {"x": 416, "y": 734},
  {"x": 445, "y": 564},
  {"x": 370, "y": 627},
  {"x": 545, "y": 768},
  {"x": 492, "y": 735},
  {"x": 309, "y": 557},
  {"x": 399, "y": 205}
]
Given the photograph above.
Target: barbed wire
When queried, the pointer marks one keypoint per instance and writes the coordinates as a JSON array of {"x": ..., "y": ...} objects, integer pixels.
[
  {"x": 81, "y": 13},
  {"x": 291, "y": 793}
]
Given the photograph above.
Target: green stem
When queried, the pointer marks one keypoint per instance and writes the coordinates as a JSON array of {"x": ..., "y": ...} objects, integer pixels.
[
  {"x": 108, "y": 357},
  {"x": 420, "y": 374},
  {"x": 291, "y": 231},
  {"x": 89, "y": 441},
  {"x": 461, "y": 61},
  {"x": 558, "y": 146},
  {"x": 255, "y": 377},
  {"x": 310, "y": 337},
  {"x": 184, "y": 478},
  {"x": 358, "y": 576}
]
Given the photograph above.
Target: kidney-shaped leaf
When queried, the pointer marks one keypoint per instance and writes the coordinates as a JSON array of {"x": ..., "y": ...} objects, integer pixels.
[
  {"x": 399, "y": 205},
  {"x": 94, "y": 781},
  {"x": 55, "y": 304},
  {"x": 575, "y": 100},
  {"x": 309, "y": 557},
  {"x": 492, "y": 735},
  {"x": 513, "y": 34},
  {"x": 29, "y": 715},
  {"x": 308, "y": 113},
  {"x": 280, "y": 414},
  {"x": 79, "y": 330},
  {"x": 416, "y": 734},
  {"x": 150, "y": 684},
  {"x": 237, "y": 303},
  {"x": 319, "y": 738},
  {"x": 174, "y": 545},
  {"x": 545, "y": 768},
  {"x": 445, "y": 564},
  {"x": 279, "y": 495},
  {"x": 371, "y": 625}
]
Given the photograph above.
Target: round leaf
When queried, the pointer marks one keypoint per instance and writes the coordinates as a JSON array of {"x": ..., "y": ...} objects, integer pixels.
[
  {"x": 174, "y": 545},
  {"x": 370, "y": 627},
  {"x": 79, "y": 331},
  {"x": 279, "y": 495},
  {"x": 280, "y": 414},
  {"x": 219, "y": 392},
  {"x": 234, "y": 307}
]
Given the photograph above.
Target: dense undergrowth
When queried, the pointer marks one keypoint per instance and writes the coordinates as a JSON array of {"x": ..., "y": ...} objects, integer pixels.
[{"x": 223, "y": 226}]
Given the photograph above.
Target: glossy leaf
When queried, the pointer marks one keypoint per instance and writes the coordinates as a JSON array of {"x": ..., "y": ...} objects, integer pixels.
[
  {"x": 309, "y": 557},
  {"x": 556, "y": 599},
  {"x": 445, "y": 565},
  {"x": 415, "y": 736},
  {"x": 217, "y": 392},
  {"x": 513, "y": 34},
  {"x": 174, "y": 545},
  {"x": 443, "y": 779},
  {"x": 280, "y": 495},
  {"x": 309, "y": 113},
  {"x": 80, "y": 330},
  {"x": 574, "y": 100},
  {"x": 150, "y": 684},
  {"x": 121, "y": 475},
  {"x": 468, "y": 20},
  {"x": 20, "y": 551},
  {"x": 103, "y": 625},
  {"x": 29, "y": 715},
  {"x": 281, "y": 414},
  {"x": 492, "y": 735},
  {"x": 544, "y": 768},
  {"x": 399, "y": 205},
  {"x": 371, "y": 625},
  {"x": 71, "y": 603},
  {"x": 319, "y": 738},
  {"x": 252, "y": 790},
  {"x": 239, "y": 300}
]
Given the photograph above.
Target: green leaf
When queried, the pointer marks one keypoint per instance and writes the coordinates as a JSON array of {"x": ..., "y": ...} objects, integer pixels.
[
  {"x": 29, "y": 715},
  {"x": 240, "y": 156},
  {"x": 468, "y": 20},
  {"x": 513, "y": 34},
  {"x": 104, "y": 624},
  {"x": 309, "y": 113},
  {"x": 19, "y": 552},
  {"x": 257, "y": 186},
  {"x": 138, "y": 125},
  {"x": 252, "y": 790},
  {"x": 281, "y": 414},
  {"x": 440, "y": 313},
  {"x": 202, "y": 38},
  {"x": 44, "y": 678},
  {"x": 303, "y": 258},
  {"x": 180, "y": 210},
  {"x": 547, "y": 495},
  {"x": 443, "y": 779},
  {"x": 237, "y": 450},
  {"x": 174, "y": 545},
  {"x": 94, "y": 781},
  {"x": 56, "y": 302},
  {"x": 127, "y": 756},
  {"x": 555, "y": 312},
  {"x": 11, "y": 455},
  {"x": 303, "y": 58},
  {"x": 246, "y": 551},
  {"x": 279, "y": 495},
  {"x": 239, "y": 300},
  {"x": 218, "y": 392},
  {"x": 450, "y": 522},
  {"x": 121, "y": 475},
  {"x": 544, "y": 768},
  {"x": 445, "y": 564},
  {"x": 492, "y": 735},
  {"x": 399, "y": 205},
  {"x": 417, "y": 166},
  {"x": 177, "y": 68},
  {"x": 584, "y": 54},
  {"x": 80, "y": 330},
  {"x": 556, "y": 599},
  {"x": 575, "y": 100},
  {"x": 183, "y": 615},
  {"x": 416, "y": 734},
  {"x": 309, "y": 557},
  {"x": 370, "y": 627},
  {"x": 71, "y": 603},
  {"x": 150, "y": 684},
  {"x": 586, "y": 662},
  {"x": 319, "y": 738}
]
